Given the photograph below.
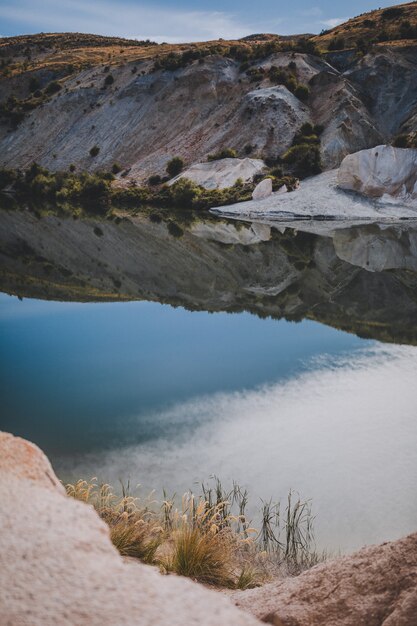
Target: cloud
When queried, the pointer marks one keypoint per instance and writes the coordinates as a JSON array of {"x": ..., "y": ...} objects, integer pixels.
[
  {"x": 334, "y": 21},
  {"x": 343, "y": 434},
  {"x": 123, "y": 19}
]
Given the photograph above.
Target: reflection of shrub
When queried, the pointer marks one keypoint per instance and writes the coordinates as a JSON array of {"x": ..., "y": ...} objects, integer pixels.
[
  {"x": 7, "y": 177},
  {"x": 34, "y": 84},
  {"x": 175, "y": 166},
  {"x": 175, "y": 230},
  {"x": 52, "y": 88}
]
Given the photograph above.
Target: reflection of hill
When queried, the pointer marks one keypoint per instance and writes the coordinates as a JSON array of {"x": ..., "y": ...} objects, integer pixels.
[{"x": 361, "y": 279}]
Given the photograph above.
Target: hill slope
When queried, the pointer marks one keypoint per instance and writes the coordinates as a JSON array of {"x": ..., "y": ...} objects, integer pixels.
[{"x": 140, "y": 103}]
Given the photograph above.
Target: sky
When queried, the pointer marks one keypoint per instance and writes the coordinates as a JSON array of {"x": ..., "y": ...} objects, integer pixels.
[{"x": 179, "y": 21}]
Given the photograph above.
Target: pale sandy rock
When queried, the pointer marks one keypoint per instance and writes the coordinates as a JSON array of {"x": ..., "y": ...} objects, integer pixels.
[
  {"x": 222, "y": 173},
  {"x": 230, "y": 234},
  {"x": 319, "y": 197},
  {"x": 383, "y": 170},
  {"x": 59, "y": 568},
  {"x": 262, "y": 189},
  {"x": 377, "y": 249},
  {"x": 376, "y": 586}
]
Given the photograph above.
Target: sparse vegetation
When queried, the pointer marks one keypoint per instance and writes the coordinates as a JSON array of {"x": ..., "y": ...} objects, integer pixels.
[
  {"x": 225, "y": 153},
  {"x": 209, "y": 537},
  {"x": 39, "y": 185},
  {"x": 288, "y": 77},
  {"x": 175, "y": 166},
  {"x": 303, "y": 158}
]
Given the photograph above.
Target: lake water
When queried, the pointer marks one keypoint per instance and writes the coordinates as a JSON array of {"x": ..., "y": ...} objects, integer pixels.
[{"x": 136, "y": 353}]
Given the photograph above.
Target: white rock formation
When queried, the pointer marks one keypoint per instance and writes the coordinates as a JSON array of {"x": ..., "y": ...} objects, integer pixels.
[
  {"x": 381, "y": 171},
  {"x": 319, "y": 197},
  {"x": 262, "y": 189},
  {"x": 59, "y": 568},
  {"x": 222, "y": 173}
]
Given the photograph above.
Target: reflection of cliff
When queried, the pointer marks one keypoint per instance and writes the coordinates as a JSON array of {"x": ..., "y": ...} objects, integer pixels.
[{"x": 362, "y": 279}]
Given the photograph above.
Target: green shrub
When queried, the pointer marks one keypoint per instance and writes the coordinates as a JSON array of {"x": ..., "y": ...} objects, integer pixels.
[
  {"x": 116, "y": 168},
  {"x": 184, "y": 192},
  {"x": 109, "y": 80},
  {"x": 175, "y": 166},
  {"x": 302, "y": 92},
  {"x": 392, "y": 13},
  {"x": 401, "y": 141},
  {"x": 94, "y": 151},
  {"x": 304, "y": 159},
  {"x": 154, "y": 180},
  {"x": 225, "y": 153},
  {"x": 338, "y": 43}
]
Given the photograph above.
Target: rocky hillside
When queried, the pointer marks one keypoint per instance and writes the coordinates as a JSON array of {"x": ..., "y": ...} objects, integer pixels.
[{"x": 91, "y": 102}]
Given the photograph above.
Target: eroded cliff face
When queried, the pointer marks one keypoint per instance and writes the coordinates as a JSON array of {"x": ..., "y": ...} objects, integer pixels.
[
  {"x": 144, "y": 118},
  {"x": 361, "y": 279}
]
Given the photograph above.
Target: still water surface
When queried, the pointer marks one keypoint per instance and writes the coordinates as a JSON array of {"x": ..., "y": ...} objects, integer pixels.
[{"x": 167, "y": 397}]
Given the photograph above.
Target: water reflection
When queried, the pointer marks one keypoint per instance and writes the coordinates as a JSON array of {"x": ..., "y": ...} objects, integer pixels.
[
  {"x": 342, "y": 433},
  {"x": 358, "y": 278}
]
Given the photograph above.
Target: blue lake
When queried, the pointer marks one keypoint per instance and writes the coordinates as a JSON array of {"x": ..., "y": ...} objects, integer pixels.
[{"x": 166, "y": 360}]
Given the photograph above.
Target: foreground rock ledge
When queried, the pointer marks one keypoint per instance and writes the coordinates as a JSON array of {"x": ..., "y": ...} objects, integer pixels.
[
  {"x": 58, "y": 566},
  {"x": 376, "y": 586}
]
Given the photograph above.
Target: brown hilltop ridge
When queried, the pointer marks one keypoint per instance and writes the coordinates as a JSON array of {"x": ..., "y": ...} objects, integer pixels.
[
  {"x": 58, "y": 566},
  {"x": 140, "y": 103}
]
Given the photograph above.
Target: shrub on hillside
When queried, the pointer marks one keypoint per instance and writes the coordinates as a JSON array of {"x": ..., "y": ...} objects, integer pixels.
[
  {"x": 304, "y": 159},
  {"x": 94, "y": 151},
  {"x": 302, "y": 92},
  {"x": 225, "y": 153},
  {"x": 338, "y": 43},
  {"x": 175, "y": 166}
]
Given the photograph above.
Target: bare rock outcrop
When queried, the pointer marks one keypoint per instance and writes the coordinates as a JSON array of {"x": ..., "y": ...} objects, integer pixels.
[
  {"x": 262, "y": 189},
  {"x": 381, "y": 171},
  {"x": 58, "y": 566},
  {"x": 376, "y": 586},
  {"x": 221, "y": 173}
]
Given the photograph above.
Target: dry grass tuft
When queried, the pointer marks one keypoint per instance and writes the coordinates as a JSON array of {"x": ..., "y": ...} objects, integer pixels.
[
  {"x": 207, "y": 556},
  {"x": 209, "y": 538}
]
